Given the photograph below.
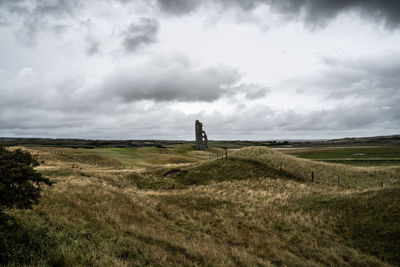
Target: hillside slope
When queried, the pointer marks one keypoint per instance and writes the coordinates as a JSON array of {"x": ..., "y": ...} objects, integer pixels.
[
  {"x": 242, "y": 211},
  {"x": 324, "y": 173}
]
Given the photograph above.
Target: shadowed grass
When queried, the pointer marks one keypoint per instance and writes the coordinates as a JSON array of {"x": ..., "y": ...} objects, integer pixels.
[{"x": 369, "y": 220}]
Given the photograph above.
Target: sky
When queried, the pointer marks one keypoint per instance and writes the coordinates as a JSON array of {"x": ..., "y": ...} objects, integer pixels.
[{"x": 247, "y": 69}]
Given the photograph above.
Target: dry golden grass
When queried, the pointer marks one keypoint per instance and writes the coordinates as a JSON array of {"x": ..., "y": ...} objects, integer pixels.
[{"x": 97, "y": 215}]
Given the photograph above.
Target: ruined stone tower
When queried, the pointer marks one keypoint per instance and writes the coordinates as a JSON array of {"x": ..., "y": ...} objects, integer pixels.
[{"x": 201, "y": 136}]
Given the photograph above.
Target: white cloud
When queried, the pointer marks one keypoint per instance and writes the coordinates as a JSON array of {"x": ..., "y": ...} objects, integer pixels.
[{"x": 241, "y": 68}]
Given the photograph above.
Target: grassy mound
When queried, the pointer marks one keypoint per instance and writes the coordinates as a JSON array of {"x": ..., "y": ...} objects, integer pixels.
[
  {"x": 324, "y": 173},
  {"x": 263, "y": 162},
  {"x": 217, "y": 170},
  {"x": 228, "y": 170}
]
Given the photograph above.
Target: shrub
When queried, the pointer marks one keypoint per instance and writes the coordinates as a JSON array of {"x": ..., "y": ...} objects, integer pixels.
[{"x": 19, "y": 181}]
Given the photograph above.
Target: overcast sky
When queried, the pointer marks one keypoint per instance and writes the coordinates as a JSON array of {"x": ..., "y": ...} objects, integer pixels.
[{"x": 247, "y": 69}]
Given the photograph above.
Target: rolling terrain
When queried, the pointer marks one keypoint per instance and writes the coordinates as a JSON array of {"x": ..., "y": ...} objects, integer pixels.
[{"x": 177, "y": 206}]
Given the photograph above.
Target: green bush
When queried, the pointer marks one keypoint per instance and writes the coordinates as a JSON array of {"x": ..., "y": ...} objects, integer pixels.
[
  {"x": 19, "y": 188},
  {"x": 19, "y": 181}
]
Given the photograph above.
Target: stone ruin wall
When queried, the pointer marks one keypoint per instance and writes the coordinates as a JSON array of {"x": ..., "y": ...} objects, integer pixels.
[{"x": 201, "y": 136}]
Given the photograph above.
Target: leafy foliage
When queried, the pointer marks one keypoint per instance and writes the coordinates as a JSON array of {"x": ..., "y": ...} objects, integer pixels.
[{"x": 19, "y": 181}]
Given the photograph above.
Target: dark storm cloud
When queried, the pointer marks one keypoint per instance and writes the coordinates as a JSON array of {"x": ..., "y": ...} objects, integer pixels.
[
  {"x": 141, "y": 33},
  {"x": 319, "y": 11},
  {"x": 171, "y": 78},
  {"x": 31, "y": 17},
  {"x": 314, "y": 12},
  {"x": 178, "y": 7}
]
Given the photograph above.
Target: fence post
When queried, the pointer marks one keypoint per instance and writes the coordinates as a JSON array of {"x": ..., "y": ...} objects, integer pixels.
[
  {"x": 281, "y": 167},
  {"x": 226, "y": 152},
  {"x": 312, "y": 176},
  {"x": 338, "y": 181}
]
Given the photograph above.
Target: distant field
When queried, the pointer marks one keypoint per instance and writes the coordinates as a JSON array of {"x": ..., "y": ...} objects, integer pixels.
[
  {"x": 132, "y": 157},
  {"x": 357, "y": 156}
]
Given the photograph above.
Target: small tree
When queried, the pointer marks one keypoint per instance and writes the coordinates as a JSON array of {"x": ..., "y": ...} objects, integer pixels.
[{"x": 19, "y": 181}]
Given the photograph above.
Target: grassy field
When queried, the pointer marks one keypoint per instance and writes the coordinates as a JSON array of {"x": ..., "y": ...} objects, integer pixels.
[
  {"x": 357, "y": 156},
  {"x": 176, "y": 206}
]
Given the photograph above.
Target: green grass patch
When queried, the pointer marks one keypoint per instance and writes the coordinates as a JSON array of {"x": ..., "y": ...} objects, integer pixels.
[
  {"x": 187, "y": 202},
  {"x": 365, "y": 162},
  {"x": 150, "y": 156},
  {"x": 360, "y": 156},
  {"x": 57, "y": 172},
  {"x": 359, "y": 152},
  {"x": 229, "y": 170},
  {"x": 152, "y": 182},
  {"x": 367, "y": 221},
  {"x": 23, "y": 243}
]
